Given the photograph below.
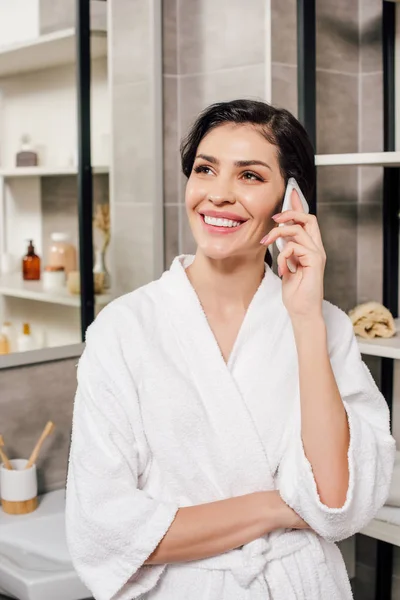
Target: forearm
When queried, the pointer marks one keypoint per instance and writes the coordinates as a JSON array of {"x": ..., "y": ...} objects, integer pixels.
[
  {"x": 324, "y": 426},
  {"x": 215, "y": 527}
]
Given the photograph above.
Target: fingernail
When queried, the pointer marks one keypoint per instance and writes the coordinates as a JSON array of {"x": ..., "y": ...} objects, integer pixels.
[
  {"x": 265, "y": 239},
  {"x": 276, "y": 216},
  {"x": 279, "y": 271}
]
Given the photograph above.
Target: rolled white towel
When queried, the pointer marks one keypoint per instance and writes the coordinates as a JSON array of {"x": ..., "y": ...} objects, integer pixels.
[{"x": 372, "y": 319}]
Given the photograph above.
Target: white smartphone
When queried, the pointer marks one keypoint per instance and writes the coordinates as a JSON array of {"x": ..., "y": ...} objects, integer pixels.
[{"x": 287, "y": 205}]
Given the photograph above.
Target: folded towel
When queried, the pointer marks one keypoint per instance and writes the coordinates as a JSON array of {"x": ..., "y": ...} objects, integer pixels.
[
  {"x": 394, "y": 494},
  {"x": 372, "y": 319}
]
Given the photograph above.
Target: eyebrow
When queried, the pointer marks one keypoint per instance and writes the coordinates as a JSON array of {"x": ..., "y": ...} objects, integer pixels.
[{"x": 238, "y": 163}]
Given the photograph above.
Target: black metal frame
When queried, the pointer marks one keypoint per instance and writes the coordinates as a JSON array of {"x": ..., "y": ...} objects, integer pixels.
[
  {"x": 85, "y": 189},
  {"x": 306, "y": 75},
  {"x": 391, "y": 195}
]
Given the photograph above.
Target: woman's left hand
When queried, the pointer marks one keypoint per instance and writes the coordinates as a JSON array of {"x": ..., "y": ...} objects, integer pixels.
[{"x": 302, "y": 291}]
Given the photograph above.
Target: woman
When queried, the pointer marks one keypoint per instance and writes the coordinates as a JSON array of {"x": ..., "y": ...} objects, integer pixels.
[{"x": 226, "y": 431}]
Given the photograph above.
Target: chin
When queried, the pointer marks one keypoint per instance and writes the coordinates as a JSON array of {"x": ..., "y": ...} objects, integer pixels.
[{"x": 218, "y": 250}]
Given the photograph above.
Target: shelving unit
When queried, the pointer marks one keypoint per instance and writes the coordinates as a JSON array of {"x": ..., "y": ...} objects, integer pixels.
[
  {"x": 387, "y": 534},
  {"x": 51, "y": 50},
  {"x": 41, "y": 80}
]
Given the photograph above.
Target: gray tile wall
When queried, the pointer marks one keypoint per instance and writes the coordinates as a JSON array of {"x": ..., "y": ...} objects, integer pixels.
[
  {"x": 134, "y": 170},
  {"x": 204, "y": 63}
]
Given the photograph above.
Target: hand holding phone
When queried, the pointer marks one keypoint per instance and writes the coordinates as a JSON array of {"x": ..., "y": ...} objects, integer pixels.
[{"x": 287, "y": 205}]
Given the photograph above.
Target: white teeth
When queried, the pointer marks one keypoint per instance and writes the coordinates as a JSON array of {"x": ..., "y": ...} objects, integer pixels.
[{"x": 221, "y": 222}]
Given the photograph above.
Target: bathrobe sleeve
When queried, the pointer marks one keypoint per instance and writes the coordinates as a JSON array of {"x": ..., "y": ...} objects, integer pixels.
[
  {"x": 371, "y": 450},
  {"x": 112, "y": 526}
]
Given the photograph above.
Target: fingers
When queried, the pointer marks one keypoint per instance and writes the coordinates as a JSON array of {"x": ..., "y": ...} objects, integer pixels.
[
  {"x": 294, "y": 231},
  {"x": 309, "y": 222},
  {"x": 304, "y": 256}
]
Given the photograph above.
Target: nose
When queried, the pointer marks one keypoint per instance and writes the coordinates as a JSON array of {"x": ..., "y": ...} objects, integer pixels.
[
  {"x": 217, "y": 200},
  {"x": 220, "y": 194},
  {"x": 220, "y": 189}
]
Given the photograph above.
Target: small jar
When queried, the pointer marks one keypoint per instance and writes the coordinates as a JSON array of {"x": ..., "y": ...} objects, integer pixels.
[
  {"x": 62, "y": 253},
  {"x": 53, "y": 278}
]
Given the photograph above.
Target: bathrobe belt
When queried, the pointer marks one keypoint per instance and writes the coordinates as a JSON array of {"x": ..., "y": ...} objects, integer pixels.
[{"x": 251, "y": 560}]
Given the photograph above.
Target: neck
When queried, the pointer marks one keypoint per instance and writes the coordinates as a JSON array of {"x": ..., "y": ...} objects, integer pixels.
[{"x": 228, "y": 283}]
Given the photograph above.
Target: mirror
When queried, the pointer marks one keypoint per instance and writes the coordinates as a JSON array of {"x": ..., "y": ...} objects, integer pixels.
[{"x": 45, "y": 223}]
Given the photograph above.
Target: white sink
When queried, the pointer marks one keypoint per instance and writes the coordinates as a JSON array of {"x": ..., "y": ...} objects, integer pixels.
[{"x": 34, "y": 558}]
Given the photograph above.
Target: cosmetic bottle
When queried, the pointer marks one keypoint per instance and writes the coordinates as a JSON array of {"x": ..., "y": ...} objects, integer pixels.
[
  {"x": 25, "y": 340},
  {"x": 62, "y": 253},
  {"x": 31, "y": 264},
  {"x": 26, "y": 157},
  {"x": 7, "y": 330},
  {"x": 4, "y": 344}
]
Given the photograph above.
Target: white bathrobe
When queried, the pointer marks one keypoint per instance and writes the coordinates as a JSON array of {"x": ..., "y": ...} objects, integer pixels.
[{"x": 161, "y": 422}]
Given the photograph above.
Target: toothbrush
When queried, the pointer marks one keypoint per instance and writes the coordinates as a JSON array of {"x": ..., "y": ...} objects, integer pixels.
[
  {"x": 33, "y": 457},
  {"x": 3, "y": 455}
]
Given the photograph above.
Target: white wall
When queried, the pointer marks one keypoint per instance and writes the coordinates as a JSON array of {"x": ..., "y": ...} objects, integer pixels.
[{"x": 19, "y": 21}]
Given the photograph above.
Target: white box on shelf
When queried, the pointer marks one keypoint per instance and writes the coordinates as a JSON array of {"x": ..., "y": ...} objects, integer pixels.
[{"x": 19, "y": 21}]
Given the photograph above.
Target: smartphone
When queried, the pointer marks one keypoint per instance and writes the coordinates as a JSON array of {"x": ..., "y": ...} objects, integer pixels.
[{"x": 287, "y": 205}]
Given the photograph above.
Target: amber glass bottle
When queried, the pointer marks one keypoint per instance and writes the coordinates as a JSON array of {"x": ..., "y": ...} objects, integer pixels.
[{"x": 31, "y": 264}]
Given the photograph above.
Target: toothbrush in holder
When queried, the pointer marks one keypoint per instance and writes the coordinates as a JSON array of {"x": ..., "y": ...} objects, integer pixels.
[
  {"x": 3, "y": 456},
  {"x": 33, "y": 457}
]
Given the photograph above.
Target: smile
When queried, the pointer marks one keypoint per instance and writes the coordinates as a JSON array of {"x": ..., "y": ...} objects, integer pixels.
[{"x": 214, "y": 225}]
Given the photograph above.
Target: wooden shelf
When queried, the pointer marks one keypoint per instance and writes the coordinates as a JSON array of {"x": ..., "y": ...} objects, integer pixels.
[
  {"x": 15, "y": 287},
  {"x": 46, "y": 51},
  {"x": 374, "y": 159},
  {"x": 12, "y": 172},
  {"x": 384, "y": 347}
]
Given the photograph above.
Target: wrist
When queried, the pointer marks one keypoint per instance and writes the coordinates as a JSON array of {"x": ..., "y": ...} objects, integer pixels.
[
  {"x": 309, "y": 328},
  {"x": 275, "y": 513}
]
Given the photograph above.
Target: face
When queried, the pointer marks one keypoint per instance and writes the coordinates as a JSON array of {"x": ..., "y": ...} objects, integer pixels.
[{"x": 235, "y": 177}]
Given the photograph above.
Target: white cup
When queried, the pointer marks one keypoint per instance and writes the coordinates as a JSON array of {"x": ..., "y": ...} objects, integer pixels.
[
  {"x": 18, "y": 484},
  {"x": 8, "y": 263}
]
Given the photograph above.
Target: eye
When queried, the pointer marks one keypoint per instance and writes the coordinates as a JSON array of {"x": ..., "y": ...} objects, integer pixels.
[
  {"x": 250, "y": 176},
  {"x": 202, "y": 169}
]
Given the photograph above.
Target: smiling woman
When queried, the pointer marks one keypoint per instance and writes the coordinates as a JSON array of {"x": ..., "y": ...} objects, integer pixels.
[{"x": 226, "y": 431}]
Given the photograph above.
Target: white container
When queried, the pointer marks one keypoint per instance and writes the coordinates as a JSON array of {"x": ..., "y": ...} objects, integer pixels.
[
  {"x": 26, "y": 341},
  {"x": 8, "y": 263},
  {"x": 53, "y": 278},
  {"x": 18, "y": 484}
]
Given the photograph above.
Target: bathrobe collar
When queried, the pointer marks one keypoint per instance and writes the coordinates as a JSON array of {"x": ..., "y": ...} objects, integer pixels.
[
  {"x": 264, "y": 309},
  {"x": 219, "y": 383}
]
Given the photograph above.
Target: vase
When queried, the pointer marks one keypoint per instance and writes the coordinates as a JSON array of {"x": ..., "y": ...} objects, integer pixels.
[{"x": 100, "y": 267}]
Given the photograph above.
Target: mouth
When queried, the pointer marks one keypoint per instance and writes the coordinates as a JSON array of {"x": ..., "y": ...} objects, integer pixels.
[{"x": 220, "y": 226}]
